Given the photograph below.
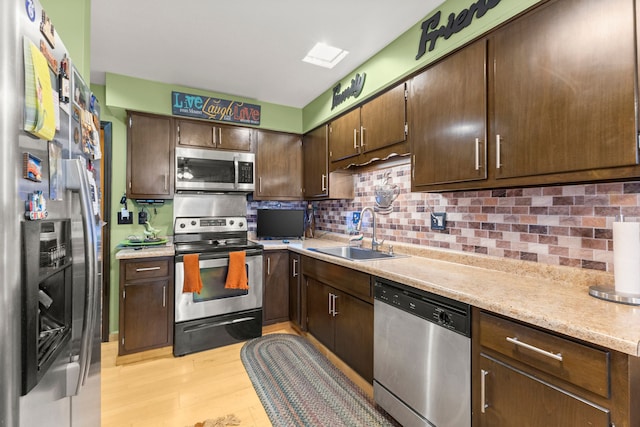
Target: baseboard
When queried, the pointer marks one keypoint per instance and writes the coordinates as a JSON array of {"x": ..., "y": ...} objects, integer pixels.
[{"x": 113, "y": 336}]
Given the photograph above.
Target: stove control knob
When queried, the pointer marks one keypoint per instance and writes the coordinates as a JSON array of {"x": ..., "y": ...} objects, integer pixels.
[
  {"x": 240, "y": 224},
  {"x": 230, "y": 222},
  {"x": 182, "y": 225},
  {"x": 193, "y": 223}
]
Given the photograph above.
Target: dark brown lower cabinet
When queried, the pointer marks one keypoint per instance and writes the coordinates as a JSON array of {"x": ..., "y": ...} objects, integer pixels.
[
  {"x": 297, "y": 310},
  {"x": 515, "y": 398},
  {"x": 146, "y": 304},
  {"x": 338, "y": 319},
  {"x": 275, "y": 299}
]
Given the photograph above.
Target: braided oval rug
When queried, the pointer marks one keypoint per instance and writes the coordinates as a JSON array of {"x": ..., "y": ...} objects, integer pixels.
[{"x": 299, "y": 386}]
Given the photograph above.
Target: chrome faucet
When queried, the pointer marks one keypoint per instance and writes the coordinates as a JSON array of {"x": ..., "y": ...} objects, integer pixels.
[{"x": 375, "y": 245}]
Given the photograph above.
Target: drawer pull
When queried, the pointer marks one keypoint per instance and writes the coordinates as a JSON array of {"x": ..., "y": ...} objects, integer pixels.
[
  {"x": 147, "y": 269},
  {"x": 517, "y": 342}
]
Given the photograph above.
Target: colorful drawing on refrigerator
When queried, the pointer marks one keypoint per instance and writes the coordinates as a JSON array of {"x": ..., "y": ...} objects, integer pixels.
[
  {"x": 39, "y": 116},
  {"x": 55, "y": 171}
]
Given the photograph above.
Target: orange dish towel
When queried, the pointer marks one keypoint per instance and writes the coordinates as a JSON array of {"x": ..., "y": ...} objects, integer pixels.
[
  {"x": 192, "y": 278},
  {"x": 237, "y": 274}
]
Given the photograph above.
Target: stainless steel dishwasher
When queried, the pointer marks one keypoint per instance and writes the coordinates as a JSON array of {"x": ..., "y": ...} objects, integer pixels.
[{"x": 422, "y": 356}]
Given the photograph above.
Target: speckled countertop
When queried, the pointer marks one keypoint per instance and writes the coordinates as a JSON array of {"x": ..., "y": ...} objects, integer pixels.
[{"x": 551, "y": 297}]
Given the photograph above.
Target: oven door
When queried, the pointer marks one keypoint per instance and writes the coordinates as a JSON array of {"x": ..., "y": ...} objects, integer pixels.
[{"x": 214, "y": 299}]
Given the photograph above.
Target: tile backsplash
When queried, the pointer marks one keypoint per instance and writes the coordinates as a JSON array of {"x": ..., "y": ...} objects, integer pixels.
[{"x": 567, "y": 225}]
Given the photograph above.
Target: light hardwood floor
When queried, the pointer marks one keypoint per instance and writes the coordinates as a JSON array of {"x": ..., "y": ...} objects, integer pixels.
[{"x": 181, "y": 391}]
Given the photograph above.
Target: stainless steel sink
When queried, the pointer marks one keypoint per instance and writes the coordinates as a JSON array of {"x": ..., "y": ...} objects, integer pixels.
[{"x": 355, "y": 253}]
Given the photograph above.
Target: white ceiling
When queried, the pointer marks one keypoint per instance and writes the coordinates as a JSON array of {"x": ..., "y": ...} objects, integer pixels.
[{"x": 246, "y": 48}]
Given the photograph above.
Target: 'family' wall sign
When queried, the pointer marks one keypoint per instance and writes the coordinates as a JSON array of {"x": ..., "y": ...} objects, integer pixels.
[
  {"x": 456, "y": 23},
  {"x": 354, "y": 89},
  {"x": 205, "y": 107}
]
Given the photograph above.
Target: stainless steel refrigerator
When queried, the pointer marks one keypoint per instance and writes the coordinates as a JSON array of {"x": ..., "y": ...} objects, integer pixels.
[{"x": 51, "y": 228}]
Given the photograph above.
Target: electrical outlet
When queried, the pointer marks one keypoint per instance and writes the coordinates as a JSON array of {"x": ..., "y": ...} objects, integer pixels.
[
  {"x": 356, "y": 218},
  {"x": 125, "y": 217},
  {"x": 142, "y": 217},
  {"x": 438, "y": 221}
]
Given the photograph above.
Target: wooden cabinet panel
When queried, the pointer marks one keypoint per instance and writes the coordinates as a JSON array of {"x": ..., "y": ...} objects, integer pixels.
[
  {"x": 146, "y": 304},
  {"x": 296, "y": 313},
  {"x": 354, "y": 334},
  {"x": 278, "y": 166},
  {"x": 383, "y": 120},
  {"x": 344, "y": 136},
  {"x": 315, "y": 154},
  {"x": 275, "y": 301},
  {"x": 447, "y": 116},
  {"x": 196, "y": 134},
  {"x": 564, "y": 97},
  {"x": 579, "y": 364},
  {"x": 515, "y": 398},
  {"x": 234, "y": 138},
  {"x": 149, "y": 157},
  {"x": 320, "y": 322},
  {"x": 145, "y": 316},
  {"x": 337, "y": 316},
  {"x": 201, "y": 134},
  {"x": 318, "y": 182},
  {"x": 372, "y": 131}
]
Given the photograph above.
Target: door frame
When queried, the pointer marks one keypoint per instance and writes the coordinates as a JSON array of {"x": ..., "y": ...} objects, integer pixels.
[{"x": 106, "y": 166}]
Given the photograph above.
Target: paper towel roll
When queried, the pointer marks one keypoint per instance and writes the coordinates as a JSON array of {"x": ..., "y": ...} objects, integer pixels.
[{"x": 626, "y": 256}]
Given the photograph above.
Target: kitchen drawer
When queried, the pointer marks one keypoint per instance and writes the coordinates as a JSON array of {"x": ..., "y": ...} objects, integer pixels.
[
  {"x": 350, "y": 281},
  {"x": 136, "y": 270},
  {"x": 576, "y": 363}
]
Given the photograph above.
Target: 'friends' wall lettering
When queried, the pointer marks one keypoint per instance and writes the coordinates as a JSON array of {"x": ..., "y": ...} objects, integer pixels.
[
  {"x": 431, "y": 32},
  {"x": 354, "y": 89}
]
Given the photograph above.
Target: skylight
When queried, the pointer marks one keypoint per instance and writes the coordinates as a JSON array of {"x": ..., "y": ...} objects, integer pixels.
[{"x": 324, "y": 55}]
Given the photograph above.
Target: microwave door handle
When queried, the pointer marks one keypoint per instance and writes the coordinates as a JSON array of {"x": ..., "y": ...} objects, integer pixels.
[{"x": 236, "y": 172}]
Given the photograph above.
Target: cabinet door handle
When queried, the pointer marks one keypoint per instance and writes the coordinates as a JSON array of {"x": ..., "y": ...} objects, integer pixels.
[
  {"x": 362, "y": 136},
  {"x": 260, "y": 185},
  {"x": 219, "y": 136},
  {"x": 483, "y": 392},
  {"x": 147, "y": 269},
  {"x": 335, "y": 312},
  {"x": 329, "y": 304},
  {"x": 165, "y": 182},
  {"x": 268, "y": 266},
  {"x": 517, "y": 342},
  {"x": 355, "y": 138},
  {"x": 498, "y": 162},
  {"x": 477, "y": 153},
  {"x": 164, "y": 296},
  {"x": 295, "y": 264},
  {"x": 324, "y": 182}
]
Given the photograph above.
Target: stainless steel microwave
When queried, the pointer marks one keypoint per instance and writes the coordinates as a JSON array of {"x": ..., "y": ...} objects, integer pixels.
[{"x": 214, "y": 170}]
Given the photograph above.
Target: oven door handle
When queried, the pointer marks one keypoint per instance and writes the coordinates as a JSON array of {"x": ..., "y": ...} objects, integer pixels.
[
  {"x": 221, "y": 255},
  {"x": 201, "y": 326}
]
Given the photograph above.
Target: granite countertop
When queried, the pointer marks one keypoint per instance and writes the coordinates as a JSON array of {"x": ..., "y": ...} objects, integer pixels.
[
  {"x": 551, "y": 297},
  {"x": 166, "y": 249}
]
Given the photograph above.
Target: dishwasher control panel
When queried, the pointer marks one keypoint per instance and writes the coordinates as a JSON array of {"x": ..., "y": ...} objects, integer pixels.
[{"x": 443, "y": 311}]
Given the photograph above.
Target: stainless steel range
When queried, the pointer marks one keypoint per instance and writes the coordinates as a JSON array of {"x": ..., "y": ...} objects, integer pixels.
[{"x": 213, "y": 226}]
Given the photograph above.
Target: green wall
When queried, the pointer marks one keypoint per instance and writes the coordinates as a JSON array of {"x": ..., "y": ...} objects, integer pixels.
[
  {"x": 392, "y": 64},
  {"x": 397, "y": 61}
]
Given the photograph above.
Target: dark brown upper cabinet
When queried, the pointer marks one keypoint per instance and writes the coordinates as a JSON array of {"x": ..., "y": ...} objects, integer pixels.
[
  {"x": 319, "y": 183},
  {"x": 447, "y": 116},
  {"x": 193, "y": 133},
  {"x": 278, "y": 166},
  {"x": 375, "y": 130},
  {"x": 561, "y": 83},
  {"x": 149, "y": 156}
]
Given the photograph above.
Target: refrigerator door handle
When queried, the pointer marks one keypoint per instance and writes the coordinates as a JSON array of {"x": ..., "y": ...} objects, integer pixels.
[{"x": 78, "y": 181}]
